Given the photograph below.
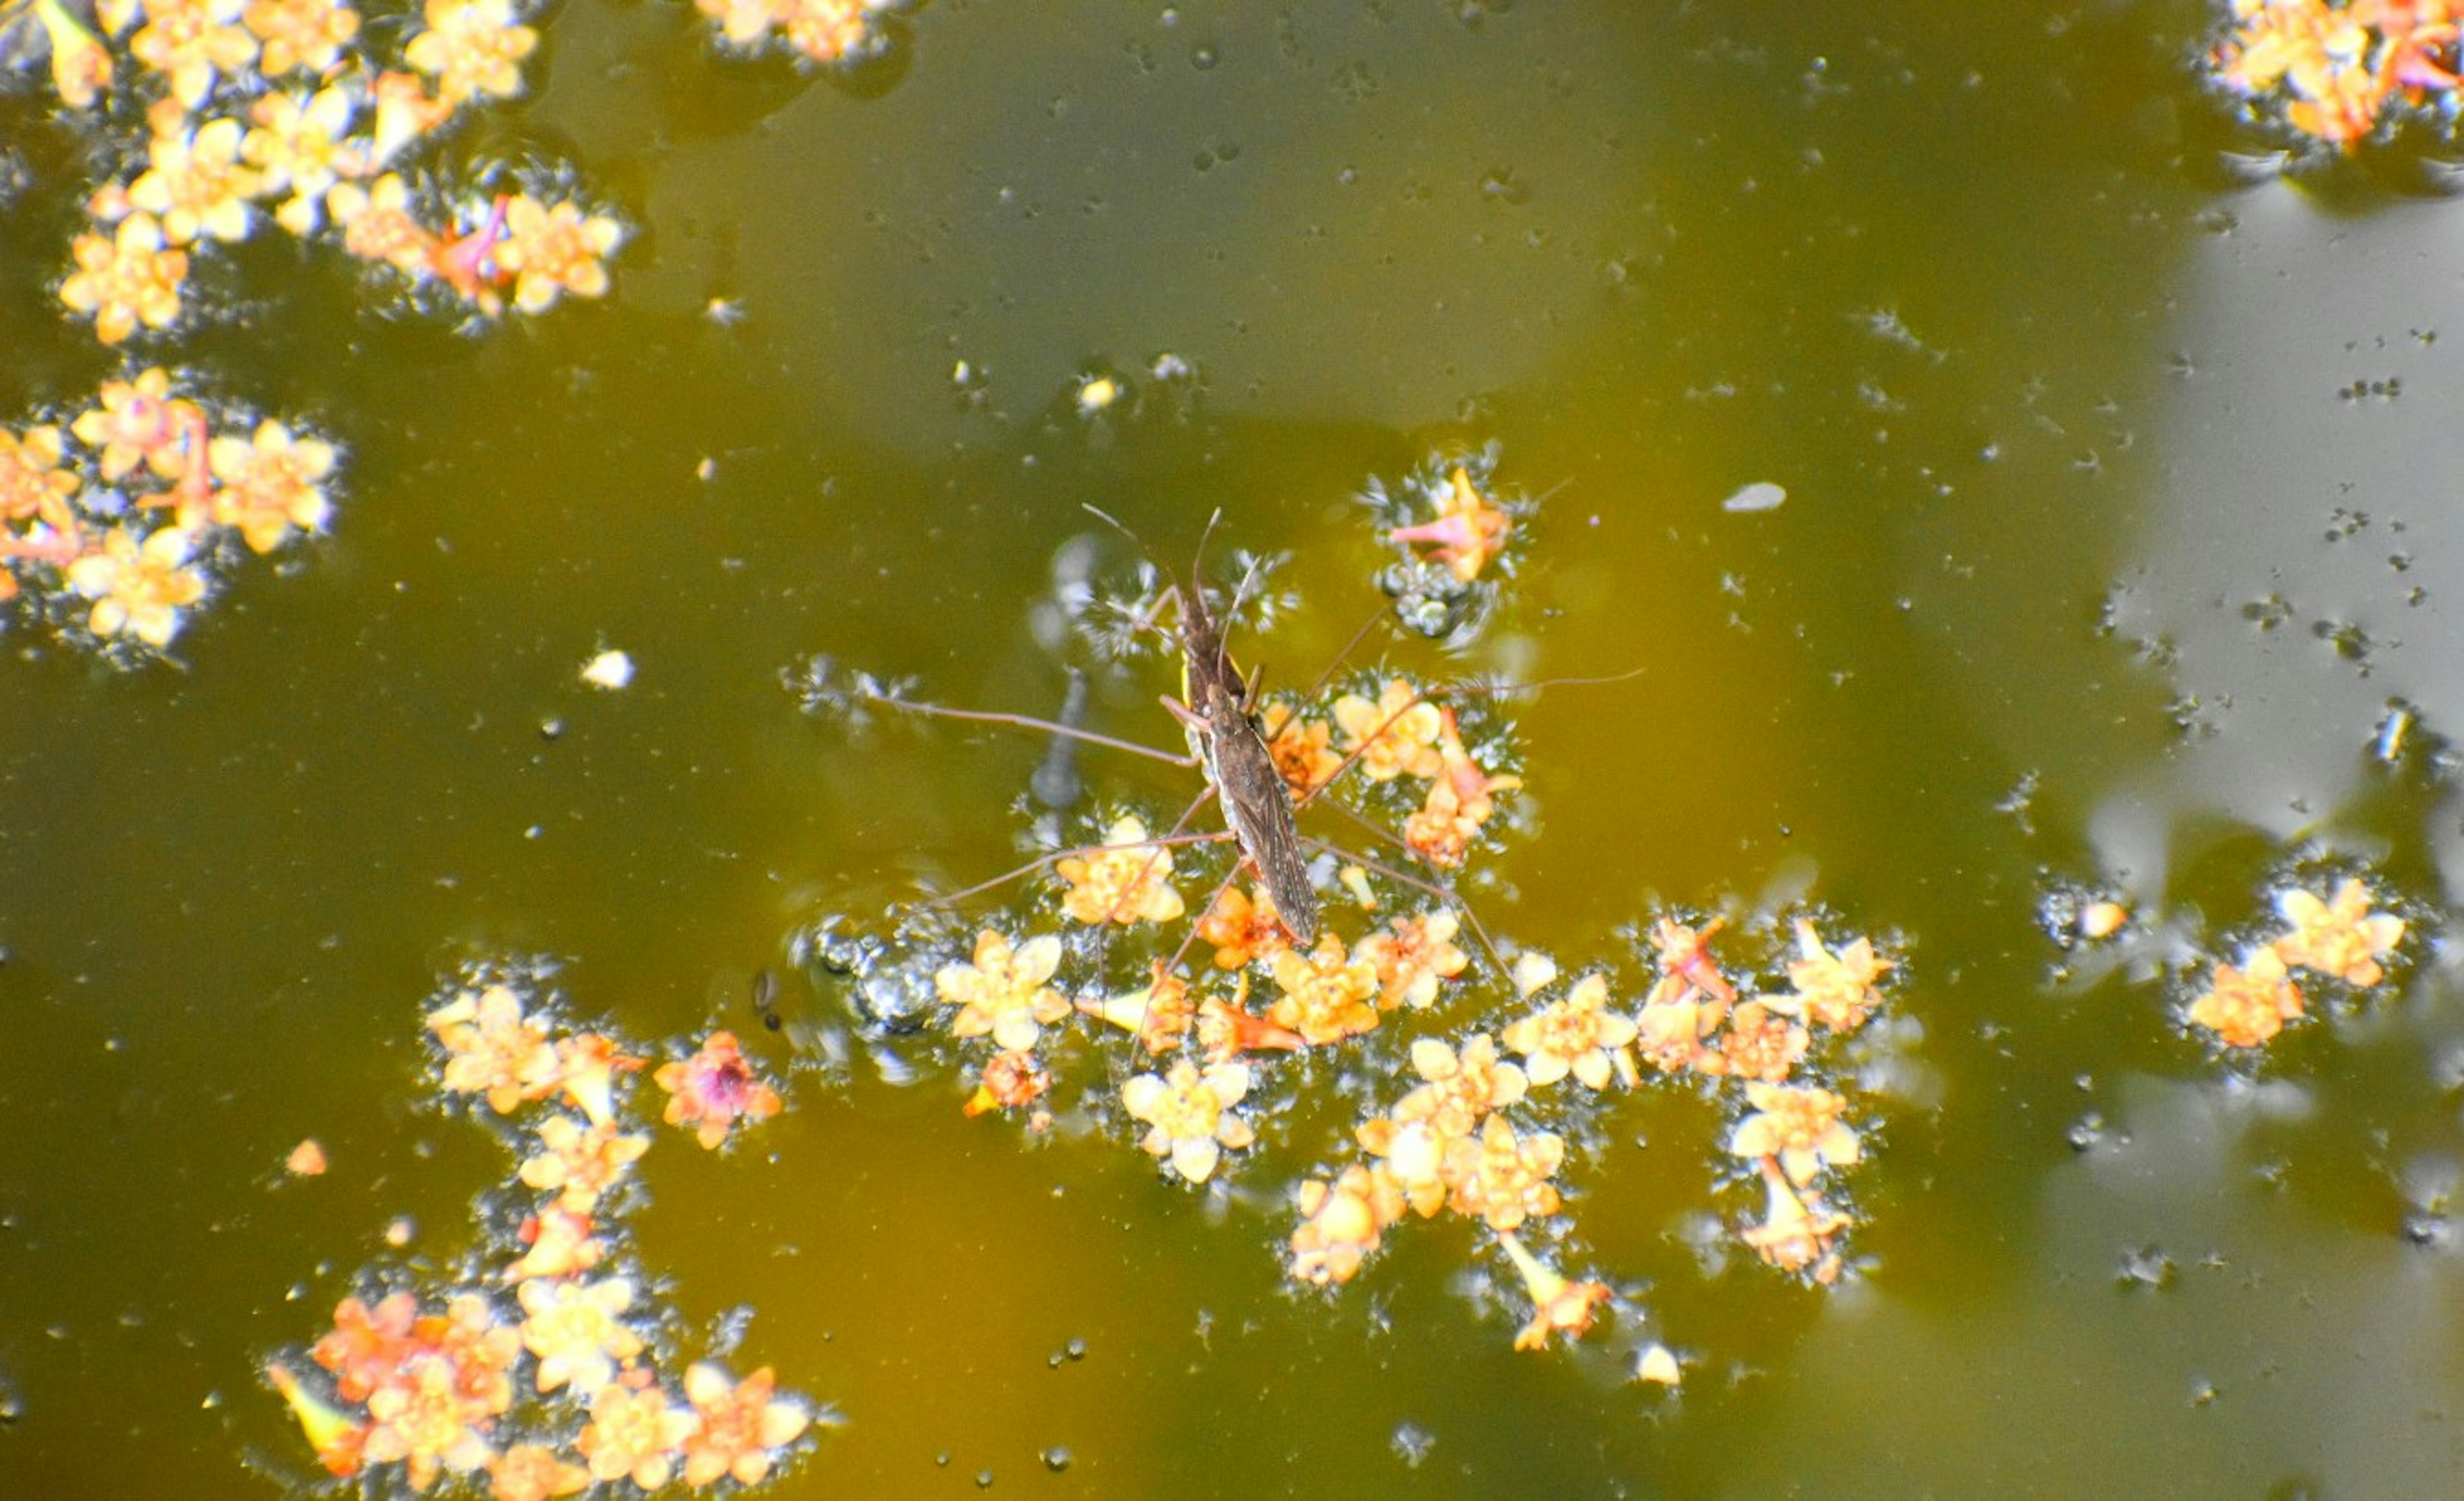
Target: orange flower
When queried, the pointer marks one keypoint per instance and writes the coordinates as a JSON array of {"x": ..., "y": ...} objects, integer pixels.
[
  {"x": 1468, "y": 531},
  {"x": 196, "y": 185},
  {"x": 421, "y": 1420},
  {"x": 1413, "y": 959},
  {"x": 378, "y": 224},
  {"x": 366, "y": 1345},
  {"x": 139, "y": 588},
  {"x": 1225, "y": 1030},
  {"x": 1758, "y": 1045},
  {"x": 713, "y": 1089},
  {"x": 587, "y": 1066},
  {"x": 1243, "y": 926},
  {"x": 1326, "y": 997},
  {"x": 742, "y": 1425},
  {"x": 635, "y": 1435},
  {"x": 533, "y": 1472},
  {"x": 1128, "y": 880},
  {"x": 1558, "y": 1306},
  {"x": 1341, "y": 1223},
  {"x": 1160, "y": 1011},
  {"x": 1010, "y": 1079},
  {"x": 2246, "y": 1006},
  {"x": 190, "y": 42},
  {"x": 2341, "y": 936},
  {"x": 1415, "y": 1154},
  {"x": 308, "y": 34},
  {"x": 830, "y": 30},
  {"x": 1686, "y": 953},
  {"x": 1303, "y": 749},
  {"x": 1796, "y": 1229},
  {"x": 1502, "y": 1176}
]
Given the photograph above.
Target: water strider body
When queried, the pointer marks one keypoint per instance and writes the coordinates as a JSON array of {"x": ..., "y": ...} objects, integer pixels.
[{"x": 1225, "y": 734}]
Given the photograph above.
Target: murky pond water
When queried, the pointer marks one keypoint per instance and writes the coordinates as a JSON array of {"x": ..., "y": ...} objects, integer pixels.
[{"x": 2113, "y": 564}]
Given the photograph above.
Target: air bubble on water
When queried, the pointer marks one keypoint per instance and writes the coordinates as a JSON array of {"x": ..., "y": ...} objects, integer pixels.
[{"x": 1412, "y": 1443}]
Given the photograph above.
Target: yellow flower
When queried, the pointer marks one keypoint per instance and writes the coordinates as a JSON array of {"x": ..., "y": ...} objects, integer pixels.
[
  {"x": 136, "y": 422},
  {"x": 139, "y": 589},
  {"x": 1835, "y": 990},
  {"x": 635, "y": 1435},
  {"x": 1411, "y": 959},
  {"x": 1003, "y": 992},
  {"x": 1462, "y": 1086},
  {"x": 2246, "y": 1006},
  {"x": 1009, "y": 1080},
  {"x": 830, "y": 30},
  {"x": 1415, "y": 1154},
  {"x": 33, "y": 487},
  {"x": 742, "y": 1425},
  {"x": 575, "y": 1331},
  {"x": 1190, "y": 1115},
  {"x": 1670, "y": 1029},
  {"x": 1341, "y": 1223},
  {"x": 553, "y": 251},
  {"x": 1399, "y": 732},
  {"x": 1160, "y": 1011},
  {"x": 560, "y": 1245},
  {"x": 80, "y": 65},
  {"x": 490, "y": 1047},
  {"x": 126, "y": 280},
  {"x": 2340, "y": 937},
  {"x": 1558, "y": 1306},
  {"x": 271, "y": 483},
  {"x": 1326, "y": 997},
  {"x": 473, "y": 49},
  {"x": 378, "y": 224},
  {"x": 1578, "y": 1035},
  {"x": 578, "y": 1163},
  {"x": 744, "y": 23},
  {"x": 303, "y": 145},
  {"x": 1502, "y": 1176},
  {"x": 1128, "y": 880},
  {"x": 196, "y": 185},
  {"x": 422, "y": 1421},
  {"x": 190, "y": 41},
  {"x": 1799, "y": 1125},
  {"x": 307, "y": 35}
]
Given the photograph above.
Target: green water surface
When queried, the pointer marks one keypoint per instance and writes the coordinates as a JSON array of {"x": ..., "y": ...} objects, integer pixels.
[{"x": 2059, "y": 404}]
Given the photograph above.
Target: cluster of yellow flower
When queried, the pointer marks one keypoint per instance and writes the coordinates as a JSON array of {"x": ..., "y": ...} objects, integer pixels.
[
  {"x": 279, "y": 104},
  {"x": 1503, "y": 1062},
  {"x": 427, "y": 1378},
  {"x": 2337, "y": 72},
  {"x": 823, "y": 30},
  {"x": 126, "y": 504},
  {"x": 2337, "y": 937}
]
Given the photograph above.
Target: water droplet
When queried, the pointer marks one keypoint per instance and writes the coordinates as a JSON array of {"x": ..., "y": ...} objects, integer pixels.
[
  {"x": 1204, "y": 58},
  {"x": 1056, "y": 1459}
]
